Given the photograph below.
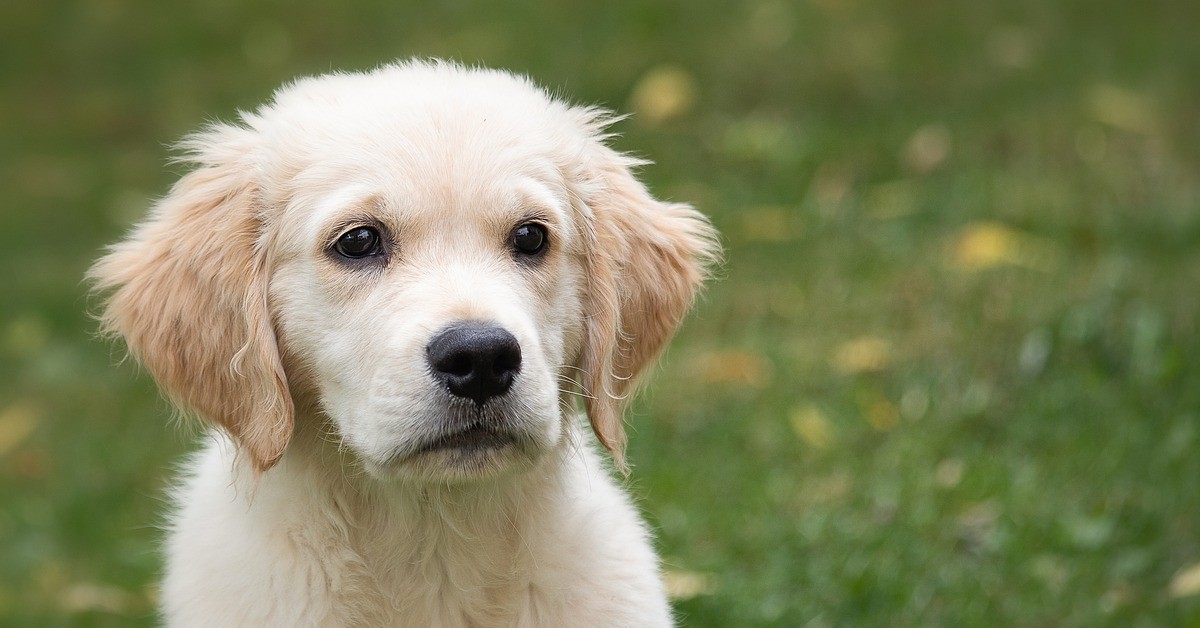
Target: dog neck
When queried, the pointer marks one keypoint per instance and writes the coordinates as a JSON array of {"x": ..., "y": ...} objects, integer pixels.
[{"x": 381, "y": 539}]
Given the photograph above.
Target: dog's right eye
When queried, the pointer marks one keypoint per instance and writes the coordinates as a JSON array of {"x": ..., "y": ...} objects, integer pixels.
[
  {"x": 529, "y": 239},
  {"x": 358, "y": 243}
]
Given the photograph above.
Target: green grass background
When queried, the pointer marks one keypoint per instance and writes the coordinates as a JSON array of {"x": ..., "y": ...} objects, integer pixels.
[{"x": 947, "y": 377}]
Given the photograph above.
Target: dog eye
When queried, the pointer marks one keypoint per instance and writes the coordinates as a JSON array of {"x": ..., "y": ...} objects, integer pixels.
[
  {"x": 529, "y": 238},
  {"x": 358, "y": 242}
]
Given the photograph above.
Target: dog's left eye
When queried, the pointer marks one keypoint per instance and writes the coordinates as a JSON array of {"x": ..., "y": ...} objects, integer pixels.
[
  {"x": 358, "y": 243},
  {"x": 529, "y": 238}
]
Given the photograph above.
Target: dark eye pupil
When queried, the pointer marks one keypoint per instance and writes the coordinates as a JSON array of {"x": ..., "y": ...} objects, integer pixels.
[
  {"x": 529, "y": 239},
  {"x": 359, "y": 242}
]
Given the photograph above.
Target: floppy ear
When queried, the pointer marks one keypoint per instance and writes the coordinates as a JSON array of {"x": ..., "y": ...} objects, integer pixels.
[
  {"x": 188, "y": 292},
  {"x": 645, "y": 262}
]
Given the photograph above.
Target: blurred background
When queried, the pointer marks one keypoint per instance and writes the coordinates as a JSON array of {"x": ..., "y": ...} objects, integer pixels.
[{"x": 948, "y": 375}]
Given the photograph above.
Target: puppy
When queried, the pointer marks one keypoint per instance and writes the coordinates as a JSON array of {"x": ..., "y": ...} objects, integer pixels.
[{"x": 391, "y": 294}]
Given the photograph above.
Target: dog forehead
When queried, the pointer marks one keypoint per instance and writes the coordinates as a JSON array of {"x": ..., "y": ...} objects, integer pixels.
[
  {"x": 420, "y": 111},
  {"x": 453, "y": 142}
]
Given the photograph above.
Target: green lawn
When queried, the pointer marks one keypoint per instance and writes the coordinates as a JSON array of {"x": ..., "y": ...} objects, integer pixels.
[{"x": 947, "y": 377}]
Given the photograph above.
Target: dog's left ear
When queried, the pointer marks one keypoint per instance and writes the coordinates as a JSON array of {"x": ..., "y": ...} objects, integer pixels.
[{"x": 645, "y": 260}]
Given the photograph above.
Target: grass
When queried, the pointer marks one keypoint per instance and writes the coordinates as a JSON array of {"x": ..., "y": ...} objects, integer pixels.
[{"x": 948, "y": 375}]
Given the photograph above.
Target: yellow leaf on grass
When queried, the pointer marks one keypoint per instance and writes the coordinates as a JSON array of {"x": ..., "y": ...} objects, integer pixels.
[
  {"x": 26, "y": 335},
  {"x": 883, "y": 415},
  {"x": 1186, "y": 582},
  {"x": 812, "y": 427},
  {"x": 767, "y": 224},
  {"x": 1123, "y": 109},
  {"x": 986, "y": 244},
  {"x": 17, "y": 422},
  {"x": 682, "y": 585},
  {"x": 949, "y": 472},
  {"x": 736, "y": 367},
  {"x": 928, "y": 148},
  {"x": 664, "y": 93},
  {"x": 863, "y": 354},
  {"x": 86, "y": 597}
]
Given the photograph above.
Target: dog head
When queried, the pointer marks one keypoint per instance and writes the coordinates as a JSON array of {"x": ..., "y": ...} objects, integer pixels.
[{"x": 441, "y": 258}]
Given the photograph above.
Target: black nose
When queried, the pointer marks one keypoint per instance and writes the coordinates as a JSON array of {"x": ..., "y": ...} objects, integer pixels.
[{"x": 477, "y": 361}]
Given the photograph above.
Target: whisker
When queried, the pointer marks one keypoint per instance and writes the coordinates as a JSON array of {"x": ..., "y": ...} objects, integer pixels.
[
  {"x": 581, "y": 392},
  {"x": 564, "y": 378}
]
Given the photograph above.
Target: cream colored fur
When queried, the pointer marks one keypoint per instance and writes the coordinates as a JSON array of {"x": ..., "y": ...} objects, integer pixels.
[{"x": 314, "y": 503}]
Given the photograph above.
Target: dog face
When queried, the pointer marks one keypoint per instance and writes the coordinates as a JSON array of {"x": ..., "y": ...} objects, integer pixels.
[
  {"x": 441, "y": 259},
  {"x": 434, "y": 300}
]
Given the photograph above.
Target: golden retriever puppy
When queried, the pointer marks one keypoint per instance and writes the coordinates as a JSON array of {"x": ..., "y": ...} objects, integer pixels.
[{"x": 387, "y": 293}]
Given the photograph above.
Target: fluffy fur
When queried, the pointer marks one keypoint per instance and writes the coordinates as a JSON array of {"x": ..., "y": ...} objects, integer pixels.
[{"x": 319, "y": 501}]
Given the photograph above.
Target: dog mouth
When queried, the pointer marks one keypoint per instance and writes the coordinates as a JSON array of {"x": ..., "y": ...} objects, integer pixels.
[
  {"x": 473, "y": 439},
  {"x": 465, "y": 442}
]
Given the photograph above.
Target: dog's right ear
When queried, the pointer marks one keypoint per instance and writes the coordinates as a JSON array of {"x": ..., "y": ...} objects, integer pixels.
[{"x": 188, "y": 292}]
